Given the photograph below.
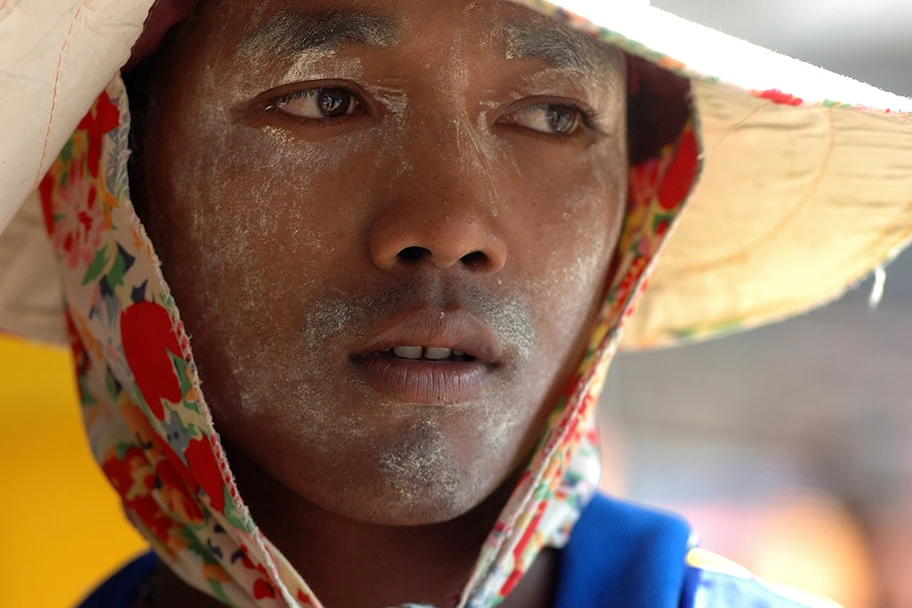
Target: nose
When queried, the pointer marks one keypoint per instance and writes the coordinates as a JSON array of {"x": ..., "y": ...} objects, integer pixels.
[
  {"x": 444, "y": 213},
  {"x": 442, "y": 234}
]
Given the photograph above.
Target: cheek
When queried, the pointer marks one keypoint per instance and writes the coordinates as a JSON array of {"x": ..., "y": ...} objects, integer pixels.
[
  {"x": 257, "y": 208},
  {"x": 253, "y": 226},
  {"x": 573, "y": 239},
  {"x": 570, "y": 286}
]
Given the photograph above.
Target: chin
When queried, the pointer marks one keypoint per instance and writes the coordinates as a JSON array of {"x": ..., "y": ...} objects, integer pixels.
[
  {"x": 429, "y": 504},
  {"x": 427, "y": 495},
  {"x": 418, "y": 513},
  {"x": 417, "y": 476}
]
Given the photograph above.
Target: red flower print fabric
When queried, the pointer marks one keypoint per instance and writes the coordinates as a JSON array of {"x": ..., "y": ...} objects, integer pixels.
[{"x": 151, "y": 429}]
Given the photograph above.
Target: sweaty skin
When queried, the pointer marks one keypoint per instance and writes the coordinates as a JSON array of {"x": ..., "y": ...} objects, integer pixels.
[{"x": 304, "y": 189}]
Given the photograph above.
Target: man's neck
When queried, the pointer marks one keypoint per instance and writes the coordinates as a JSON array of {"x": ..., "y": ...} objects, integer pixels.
[{"x": 352, "y": 564}]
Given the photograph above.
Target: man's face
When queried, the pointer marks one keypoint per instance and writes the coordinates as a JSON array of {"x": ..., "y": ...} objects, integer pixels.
[{"x": 333, "y": 185}]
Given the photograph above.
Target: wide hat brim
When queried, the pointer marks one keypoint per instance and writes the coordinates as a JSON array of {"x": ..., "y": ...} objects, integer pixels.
[
  {"x": 806, "y": 185},
  {"x": 806, "y": 182}
]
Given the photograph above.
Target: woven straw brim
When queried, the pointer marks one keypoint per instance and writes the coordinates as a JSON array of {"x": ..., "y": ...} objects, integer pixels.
[{"x": 794, "y": 206}]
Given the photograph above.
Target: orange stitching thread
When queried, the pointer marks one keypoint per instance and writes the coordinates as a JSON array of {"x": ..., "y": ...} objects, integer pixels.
[
  {"x": 47, "y": 134},
  {"x": 786, "y": 307},
  {"x": 6, "y": 5},
  {"x": 709, "y": 150},
  {"x": 781, "y": 224}
]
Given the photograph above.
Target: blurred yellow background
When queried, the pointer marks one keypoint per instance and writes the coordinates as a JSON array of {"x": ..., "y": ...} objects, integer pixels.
[
  {"x": 63, "y": 527},
  {"x": 62, "y": 517}
]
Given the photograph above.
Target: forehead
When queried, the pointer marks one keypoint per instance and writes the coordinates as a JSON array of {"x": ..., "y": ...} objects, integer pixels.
[{"x": 516, "y": 32}]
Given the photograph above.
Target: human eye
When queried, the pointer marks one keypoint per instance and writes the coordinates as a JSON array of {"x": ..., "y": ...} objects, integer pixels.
[
  {"x": 559, "y": 119},
  {"x": 317, "y": 104}
]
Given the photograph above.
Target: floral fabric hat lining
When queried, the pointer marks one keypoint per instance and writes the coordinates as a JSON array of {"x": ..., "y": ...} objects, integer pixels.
[
  {"x": 783, "y": 216},
  {"x": 151, "y": 429}
]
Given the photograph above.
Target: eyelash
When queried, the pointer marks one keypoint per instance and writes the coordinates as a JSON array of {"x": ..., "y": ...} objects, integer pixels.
[
  {"x": 274, "y": 105},
  {"x": 588, "y": 116}
]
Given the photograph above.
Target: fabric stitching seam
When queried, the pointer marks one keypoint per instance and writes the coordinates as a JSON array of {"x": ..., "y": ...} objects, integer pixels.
[
  {"x": 780, "y": 226},
  {"x": 47, "y": 135}
]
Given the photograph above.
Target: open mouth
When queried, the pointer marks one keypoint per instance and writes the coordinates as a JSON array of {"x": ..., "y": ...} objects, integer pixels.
[
  {"x": 426, "y": 353},
  {"x": 430, "y": 356}
]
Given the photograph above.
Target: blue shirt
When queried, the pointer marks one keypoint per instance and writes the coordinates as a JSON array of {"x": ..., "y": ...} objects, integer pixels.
[{"x": 619, "y": 556}]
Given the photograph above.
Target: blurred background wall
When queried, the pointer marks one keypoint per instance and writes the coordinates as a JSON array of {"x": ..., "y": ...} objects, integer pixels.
[
  {"x": 62, "y": 525},
  {"x": 790, "y": 447}
]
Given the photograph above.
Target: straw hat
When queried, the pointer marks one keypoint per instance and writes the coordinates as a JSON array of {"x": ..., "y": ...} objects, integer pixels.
[{"x": 806, "y": 184}]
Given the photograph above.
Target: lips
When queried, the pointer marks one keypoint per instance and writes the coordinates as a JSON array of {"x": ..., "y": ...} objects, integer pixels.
[
  {"x": 428, "y": 353},
  {"x": 430, "y": 357}
]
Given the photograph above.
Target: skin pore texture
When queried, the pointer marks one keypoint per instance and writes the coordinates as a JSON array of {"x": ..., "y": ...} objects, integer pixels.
[{"x": 309, "y": 171}]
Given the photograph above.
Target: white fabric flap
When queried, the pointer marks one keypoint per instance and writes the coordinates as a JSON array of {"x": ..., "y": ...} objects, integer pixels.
[{"x": 56, "y": 56}]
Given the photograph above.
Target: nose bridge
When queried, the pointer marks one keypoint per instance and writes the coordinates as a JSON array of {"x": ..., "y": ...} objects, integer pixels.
[
  {"x": 443, "y": 211},
  {"x": 448, "y": 142},
  {"x": 452, "y": 156}
]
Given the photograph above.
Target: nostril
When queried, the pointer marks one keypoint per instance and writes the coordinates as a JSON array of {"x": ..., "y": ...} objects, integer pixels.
[
  {"x": 476, "y": 259},
  {"x": 413, "y": 254}
]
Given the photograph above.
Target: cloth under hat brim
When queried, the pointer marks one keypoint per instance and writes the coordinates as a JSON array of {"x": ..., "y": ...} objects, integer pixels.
[{"x": 806, "y": 183}]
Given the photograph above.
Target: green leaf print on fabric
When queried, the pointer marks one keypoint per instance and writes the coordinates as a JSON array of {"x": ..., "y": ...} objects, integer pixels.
[{"x": 98, "y": 266}]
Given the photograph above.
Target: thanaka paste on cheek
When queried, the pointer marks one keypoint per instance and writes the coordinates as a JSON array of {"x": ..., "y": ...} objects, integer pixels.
[
  {"x": 276, "y": 217},
  {"x": 406, "y": 472},
  {"x": 414, "y": 460}
]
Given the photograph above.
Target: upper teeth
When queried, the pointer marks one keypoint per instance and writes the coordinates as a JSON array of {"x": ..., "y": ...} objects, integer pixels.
[{"x": 417, "y": 352}]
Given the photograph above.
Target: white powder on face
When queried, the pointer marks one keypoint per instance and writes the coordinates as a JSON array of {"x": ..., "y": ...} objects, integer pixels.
[
  {"x": 293, "y": 379},
  {"x": 392, "y": 96},
  {"x": 595, "y": 206},
  {"x": 319, "y": 64},
  {"x": 593, "y": 241},
  {"x": 608, "y": 101},
  {"x": 419, "y": 467},
  {"x": 418, "y": 464},
  {"x": 282, "y": 135},
  {"x": 231, "y": 247}
]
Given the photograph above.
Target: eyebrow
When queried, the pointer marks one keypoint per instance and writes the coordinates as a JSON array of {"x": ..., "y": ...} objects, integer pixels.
[
  {"x": 291, "y": 31},
  {"x": 557, "y": 45}
]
